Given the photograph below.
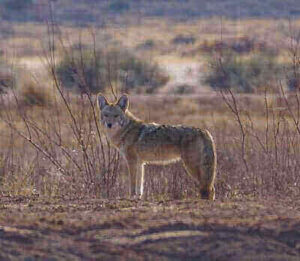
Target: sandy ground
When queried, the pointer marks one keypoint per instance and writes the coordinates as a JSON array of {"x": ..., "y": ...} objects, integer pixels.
[
  {"x": 183, "y": 73},
  {"x": 92, "y": 229}
]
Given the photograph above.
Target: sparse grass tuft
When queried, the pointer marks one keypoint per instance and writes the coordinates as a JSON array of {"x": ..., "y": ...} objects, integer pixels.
[{"x": 32, "y": 92}]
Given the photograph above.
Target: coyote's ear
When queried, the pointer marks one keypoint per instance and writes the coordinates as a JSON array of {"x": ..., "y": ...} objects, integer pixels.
[
  {"x": 101, "y": 101},
  {"x": 123, "y": 102}
]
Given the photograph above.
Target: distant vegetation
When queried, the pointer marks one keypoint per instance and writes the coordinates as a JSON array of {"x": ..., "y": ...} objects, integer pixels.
[
  {"x": 17, "y": 5},
  {"x": 98, "y": 11},
  {"x": 7, "y": 77},
  {"x": 249, "y": 65},
  {"x": 240, "y": 45},
  {"x": 119, "y": 6},
  {"x": 243, "y": 74},
  {"x": 16, "y": 10},
  {"x": 99, "y": 70},
  {"x": 184, "y": 39},
  {"x": 244, "y": 65}
]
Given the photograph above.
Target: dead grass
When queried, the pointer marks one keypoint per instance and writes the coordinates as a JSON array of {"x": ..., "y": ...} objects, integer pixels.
[
  {"x": 62, "y": 186},
  {"x": 26, "y": 38},
  {"x": 265, "y": 165},
  {"x": 62, "y": 147},
  {"x": 32, "y": 92}
]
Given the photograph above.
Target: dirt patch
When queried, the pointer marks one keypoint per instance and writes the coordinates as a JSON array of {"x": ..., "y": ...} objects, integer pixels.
[{"x": 129, "y": 229}]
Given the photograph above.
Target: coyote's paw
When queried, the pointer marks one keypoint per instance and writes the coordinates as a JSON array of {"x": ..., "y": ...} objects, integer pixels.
[
  {"x": 143, "y": 196},
  {"x": 134, "y": 197}
]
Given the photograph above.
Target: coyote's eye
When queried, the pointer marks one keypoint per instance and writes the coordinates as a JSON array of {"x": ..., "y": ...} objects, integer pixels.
[
  {"x": 116, "y": 116},
  {"x": 105, "y": 115}
]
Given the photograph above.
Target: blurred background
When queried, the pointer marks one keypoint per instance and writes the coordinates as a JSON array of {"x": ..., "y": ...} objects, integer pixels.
[{"x": 231, "y": 66}]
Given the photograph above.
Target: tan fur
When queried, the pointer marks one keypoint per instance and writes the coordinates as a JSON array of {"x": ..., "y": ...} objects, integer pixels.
[{"x": 141, "y": 143}]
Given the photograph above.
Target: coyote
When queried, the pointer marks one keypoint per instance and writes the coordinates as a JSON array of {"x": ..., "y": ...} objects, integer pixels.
[{"x": 142, "y": 143}]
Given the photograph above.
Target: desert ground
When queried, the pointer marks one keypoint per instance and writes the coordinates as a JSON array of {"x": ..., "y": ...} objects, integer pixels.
[
  {"x": 63, "y": 193},
  {"x": 192, "y": 229}
]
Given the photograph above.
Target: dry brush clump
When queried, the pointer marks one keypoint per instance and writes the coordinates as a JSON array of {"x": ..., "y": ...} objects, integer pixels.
[
  {"x": 266, "y": 145},
  {"x": 249, "y": 65},
  {"x": 60, "y": 150},
  {"x": 55, "y": 150},
  {"x": 249, "y": 73},
  {"x": 32, "y": 91},
  {"x": 241, "y": 45},
  {"x": 52, "y": 151},
  {"x": 257, "y": 143},
  {"x": 86, "y": 68}
]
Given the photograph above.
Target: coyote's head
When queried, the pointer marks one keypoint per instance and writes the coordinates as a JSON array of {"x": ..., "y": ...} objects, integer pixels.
[{"x": 112, "y": 115}]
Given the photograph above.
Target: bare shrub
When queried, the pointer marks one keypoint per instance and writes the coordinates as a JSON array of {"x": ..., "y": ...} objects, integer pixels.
[
  {"x": 257, "y": 139},
  {"x": 60, "y": 149},
  {"x": 257, "y": 144},
  {"x": 62, "y": 154},
  {"x": 268, "y": 146}
]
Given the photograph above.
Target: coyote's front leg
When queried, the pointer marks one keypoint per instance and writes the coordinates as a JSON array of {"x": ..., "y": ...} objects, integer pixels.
[
  {"x": 140, "y": 180},
  {"x": 132, "y": 169},
  {"x": 136, "y": 177}
]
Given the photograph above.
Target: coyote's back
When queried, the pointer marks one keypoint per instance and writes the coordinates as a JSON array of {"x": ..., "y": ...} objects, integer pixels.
[{"x": 141, "y": 143}]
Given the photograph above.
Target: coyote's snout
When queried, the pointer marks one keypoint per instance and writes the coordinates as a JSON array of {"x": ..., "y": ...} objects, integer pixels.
[{"x": 141, "y": 143}]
